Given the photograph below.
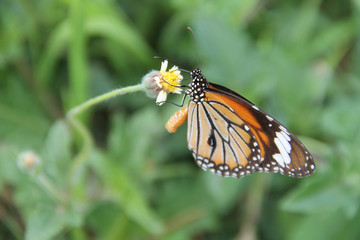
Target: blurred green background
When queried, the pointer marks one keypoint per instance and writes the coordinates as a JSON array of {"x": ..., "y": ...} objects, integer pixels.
[{"x": 297, "y": 60}]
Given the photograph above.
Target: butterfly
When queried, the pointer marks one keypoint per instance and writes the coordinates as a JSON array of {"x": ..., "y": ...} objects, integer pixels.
[{"x": 231, "y": 136}]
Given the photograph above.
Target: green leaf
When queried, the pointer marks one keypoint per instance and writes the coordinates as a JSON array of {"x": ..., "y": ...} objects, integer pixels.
[
  {"x": 45, "y": 222},
  {"x": 223, "y": 192},
  {"x": 9, "y": 172},
  {"x": 56, "y": 44},
  {"x": 318, "y": 227},
  {"x": 323, "y": 196},
  {"x": 118, "y": 31},
  {"x": 22, "y": 120},
  {"x": 133, "y": 138},
  {"x": 56, "y": 152},
  {"x": 126, "y": 193}
]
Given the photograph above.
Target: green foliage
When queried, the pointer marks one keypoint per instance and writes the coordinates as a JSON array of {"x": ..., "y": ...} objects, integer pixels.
[{"x": 123, "y": 176}]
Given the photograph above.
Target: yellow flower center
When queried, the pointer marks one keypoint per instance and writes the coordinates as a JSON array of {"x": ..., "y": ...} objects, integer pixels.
[{"x": 171, "y": 80}]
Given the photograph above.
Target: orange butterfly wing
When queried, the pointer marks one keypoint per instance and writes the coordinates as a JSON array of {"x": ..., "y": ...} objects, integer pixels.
[
  {"x": 233, "y": 137},
  {"x": 281, "y": 150}
]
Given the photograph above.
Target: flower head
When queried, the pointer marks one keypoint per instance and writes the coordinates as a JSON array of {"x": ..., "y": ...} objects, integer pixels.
[
  {"x": 29, "y": 161},
  {"x": 159, "y": 83}
]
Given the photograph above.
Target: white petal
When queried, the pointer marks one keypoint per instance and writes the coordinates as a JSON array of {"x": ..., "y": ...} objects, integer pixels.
[
  {"x": 157, "y": 80},
  {"x": 161, "y": 98},
  {"x": 164, "y": 66},
  {"x": 173, "y": 69}
]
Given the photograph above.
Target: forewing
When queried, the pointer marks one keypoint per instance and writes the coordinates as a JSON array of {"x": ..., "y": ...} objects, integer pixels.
[
  {"x": 285, "y": 153},
  {"x": 281, "y": 150}
]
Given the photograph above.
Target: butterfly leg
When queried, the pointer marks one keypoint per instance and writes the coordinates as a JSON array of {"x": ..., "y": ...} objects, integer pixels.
[{"x": 179, "y": 105}]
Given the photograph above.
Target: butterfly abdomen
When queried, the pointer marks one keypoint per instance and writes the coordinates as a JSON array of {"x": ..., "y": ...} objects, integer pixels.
[{"x": 177, "y": 119}]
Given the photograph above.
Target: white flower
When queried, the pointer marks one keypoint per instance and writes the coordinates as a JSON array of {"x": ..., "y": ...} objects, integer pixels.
[
  {"x": 159, "y": 84},
  {"x": 28, "y": 161}
]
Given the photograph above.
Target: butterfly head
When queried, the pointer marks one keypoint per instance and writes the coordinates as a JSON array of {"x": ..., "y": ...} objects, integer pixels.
[{"x": 197, "y": 86}]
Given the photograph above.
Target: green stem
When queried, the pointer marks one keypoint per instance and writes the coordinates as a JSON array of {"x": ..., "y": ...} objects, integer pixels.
[
  {"x": 253, "y": 207},
  {"x": 75, "y": 171},
  {"x": 120, "y": 91},
  {"x": 47, "y": 185},
  {"x": 77, "y": 55}
]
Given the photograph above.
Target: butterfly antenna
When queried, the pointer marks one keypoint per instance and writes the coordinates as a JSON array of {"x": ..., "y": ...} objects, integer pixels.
[
  {"x": 196, "y": 51},
  {"x": 184, "y": 70}
]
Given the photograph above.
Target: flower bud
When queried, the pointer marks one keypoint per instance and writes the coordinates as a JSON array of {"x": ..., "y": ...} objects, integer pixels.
[{"x": 149, "y": 83}]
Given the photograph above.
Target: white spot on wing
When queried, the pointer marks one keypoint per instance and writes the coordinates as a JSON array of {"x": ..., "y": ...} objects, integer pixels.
[
  {"x": 286, "y": 136},
  {"x": 255, "y": 107},
  {"x": 279, "y": 159},
  {"x": 284, "y": 141},
  {"x": 285, "y": 156},
  {"x": 284, "y": 129},
  {"x": 269, "y": 118}
]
